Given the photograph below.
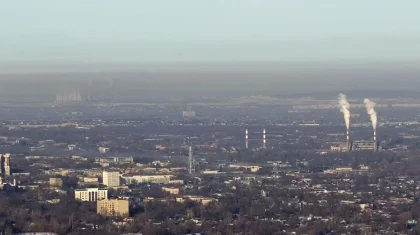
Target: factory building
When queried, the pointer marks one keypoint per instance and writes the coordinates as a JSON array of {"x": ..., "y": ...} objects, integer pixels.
[
  {"x": 112, "y": 207},
  {"x": 111, "y": 178},
  {"x": 90, "y": 194},
  {"x": 357, "y": 146},
  {"x": 342, "y": 147},
  {"x": 365, "y": 146}
]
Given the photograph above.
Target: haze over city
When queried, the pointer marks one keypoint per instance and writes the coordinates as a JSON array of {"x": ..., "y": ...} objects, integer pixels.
[{"x": 264, "y": 46}]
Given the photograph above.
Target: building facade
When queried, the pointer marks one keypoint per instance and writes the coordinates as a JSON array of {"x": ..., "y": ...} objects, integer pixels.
[
  {"x": 90, "y": 194},
  {"x": 365, "y": 146},
  {"x": 172, "y": 191},
  {"x": 151, "y": 179},
  {"x": 116, "y": 160},
  {"x": 111, "y": 178},
  {"x": 113, "y": 207}
]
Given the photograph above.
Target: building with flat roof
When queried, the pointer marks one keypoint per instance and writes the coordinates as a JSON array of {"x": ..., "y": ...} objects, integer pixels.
[
  {"x": 112, "y": 207},
  {"x": 152, "y": 179},
  {"x": 111, "y": 178},
  {"x": 117, "y": 160},
  {"x": 365, "y": 146},
  {"x": 173, "y": 191},
  {"x": 90, "y": 194},
  {"x": 340, "y": 147},
  {"x": 194, "y": 198}
]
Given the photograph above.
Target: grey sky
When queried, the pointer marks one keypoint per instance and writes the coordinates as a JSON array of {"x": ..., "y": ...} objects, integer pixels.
[{"x": 141, "y": 31}]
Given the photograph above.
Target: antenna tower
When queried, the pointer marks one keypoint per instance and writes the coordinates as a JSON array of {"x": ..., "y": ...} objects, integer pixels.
[{"x": 190, "y": 161}]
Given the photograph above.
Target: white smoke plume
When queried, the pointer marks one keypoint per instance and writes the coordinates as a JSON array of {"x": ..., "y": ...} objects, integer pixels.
[
  {"x": 345, "y": 109},
  {"x": 370, "y": 108}
]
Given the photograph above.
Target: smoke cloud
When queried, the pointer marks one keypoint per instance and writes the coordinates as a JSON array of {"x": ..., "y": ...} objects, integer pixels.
[
  {"x": 345, "y": 109},
  {"x": 370, "y": 108}
]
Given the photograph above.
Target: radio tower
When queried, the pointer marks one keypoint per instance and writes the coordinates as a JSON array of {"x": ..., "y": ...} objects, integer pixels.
[
  {"x": 246, "y": 138},
  {"x": 264, "y": 139},
  {"x": 190, "y": 161}
]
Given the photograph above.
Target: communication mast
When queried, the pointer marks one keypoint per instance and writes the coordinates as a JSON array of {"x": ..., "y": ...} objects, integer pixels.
[{"x": 190, "y": 161}]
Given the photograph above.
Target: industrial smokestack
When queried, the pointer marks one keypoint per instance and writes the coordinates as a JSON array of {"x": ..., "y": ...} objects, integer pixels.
[
  {"x": 264, "y": 139},
  {"x": 348, "y": 140},
  {"x": 345, "y": 109},
  {"x": 246, "y": 138},
  {"x": 370, "y": 108}
]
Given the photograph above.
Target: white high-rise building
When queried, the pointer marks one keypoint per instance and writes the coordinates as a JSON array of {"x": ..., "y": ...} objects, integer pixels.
[{"x": 111, "y": 178}]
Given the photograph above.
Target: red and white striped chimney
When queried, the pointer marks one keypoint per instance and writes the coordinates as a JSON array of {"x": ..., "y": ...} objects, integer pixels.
[
  {"x": 264, "y": 139},
  {"x": 246, "y": 138}
]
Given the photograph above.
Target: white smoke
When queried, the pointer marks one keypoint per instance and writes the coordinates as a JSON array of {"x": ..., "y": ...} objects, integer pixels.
[
  {"x": 370, "y": 108},
  {"x": 345, "y": 109}
]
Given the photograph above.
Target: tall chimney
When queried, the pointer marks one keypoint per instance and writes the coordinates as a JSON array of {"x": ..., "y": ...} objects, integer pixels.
[
  {"x": 264, "y": 139},
  {"x": 374, "y": 141},
  {"x": 348, "y": 140},
  {"x": 246, "y": 138}
]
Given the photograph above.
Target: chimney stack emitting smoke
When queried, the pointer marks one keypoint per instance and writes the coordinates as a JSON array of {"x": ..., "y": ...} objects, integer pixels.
[
  {"x": 345, "y": 109},
  {"x": 370, "y": 108}
]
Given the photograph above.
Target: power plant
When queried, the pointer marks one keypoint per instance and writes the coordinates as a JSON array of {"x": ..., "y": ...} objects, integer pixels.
[
  {"x": 357, "y": 145},
  {"x": 264, "y": 138},
  {"x": 370, "y": 108},
  {"x": 345, "y": 109}
]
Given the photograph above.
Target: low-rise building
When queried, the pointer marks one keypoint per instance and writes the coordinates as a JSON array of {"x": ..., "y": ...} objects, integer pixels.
[
  {"x": 117, "y": 160},
  {"x": 199, "y": 199},
  {"x": 90, "y": 180},
  {"x": 153, "y": 179},
  {"x": 173, "y": 191}
]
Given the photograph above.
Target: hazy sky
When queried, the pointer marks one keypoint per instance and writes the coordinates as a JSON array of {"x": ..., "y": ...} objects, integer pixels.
[{"x": 139, "y": 31}]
